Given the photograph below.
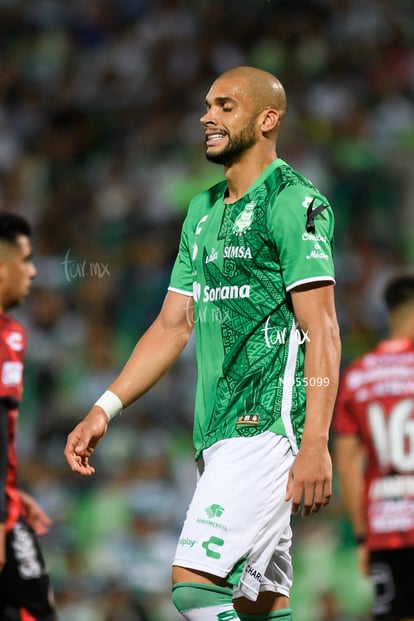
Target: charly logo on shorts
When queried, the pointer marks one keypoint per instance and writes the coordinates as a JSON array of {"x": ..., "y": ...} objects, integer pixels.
[
  {"x": 213, "y": 541},
  {"x": 254, "y": 573},
  {"x": 29, "y": 566}
]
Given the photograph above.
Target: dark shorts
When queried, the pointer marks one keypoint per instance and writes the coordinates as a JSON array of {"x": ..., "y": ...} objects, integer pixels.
[
  {"x": 24, "y": 582},
  {"x": 392, "y": 574}
]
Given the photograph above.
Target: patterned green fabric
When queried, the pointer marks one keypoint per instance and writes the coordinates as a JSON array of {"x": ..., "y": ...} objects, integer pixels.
[{"x": 239, "y": 262}]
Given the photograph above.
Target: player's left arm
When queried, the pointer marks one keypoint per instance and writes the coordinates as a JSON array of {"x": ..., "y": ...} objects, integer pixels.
[
  {"x": 34, "y": 514},
  {"x": 310, "y": 478},
  {"x": 3, "y": 476}
]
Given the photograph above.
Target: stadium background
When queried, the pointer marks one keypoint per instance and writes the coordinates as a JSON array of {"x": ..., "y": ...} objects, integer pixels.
[{"x": 101, "y": 148}]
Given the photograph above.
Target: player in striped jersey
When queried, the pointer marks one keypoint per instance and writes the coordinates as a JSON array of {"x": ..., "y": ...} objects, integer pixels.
[
  {"x": 374, "y": 438},
  {"x": 24, "y": 582}
]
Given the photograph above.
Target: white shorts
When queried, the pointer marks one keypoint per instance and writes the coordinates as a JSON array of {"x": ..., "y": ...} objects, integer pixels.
[{"x": 238, "y": 522}]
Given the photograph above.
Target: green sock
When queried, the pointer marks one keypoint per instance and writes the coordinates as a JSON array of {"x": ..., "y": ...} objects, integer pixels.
[{"x": 198, "y": 601}]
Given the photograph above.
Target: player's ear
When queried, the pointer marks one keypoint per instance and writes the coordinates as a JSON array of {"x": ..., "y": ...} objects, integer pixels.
[
  {"x": 3, "y": 270},
  {"x": 270, "y": 119},
  {"x": 4, "y": 261}
]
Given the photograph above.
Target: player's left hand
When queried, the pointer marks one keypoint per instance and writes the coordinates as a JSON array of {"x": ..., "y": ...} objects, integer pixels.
[
  {"x": 34, "y": 514},
  {"x": 2, "y": 545},
  {"x": 310, "y": 480}
]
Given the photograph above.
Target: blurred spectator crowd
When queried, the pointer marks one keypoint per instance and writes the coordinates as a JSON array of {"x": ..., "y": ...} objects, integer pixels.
[{"x": 101, "y": 148}]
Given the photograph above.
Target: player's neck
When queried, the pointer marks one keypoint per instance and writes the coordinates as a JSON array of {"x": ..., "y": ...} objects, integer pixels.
[
  {"x": 242, "y": 174},
  {"x": 396, "y": 343}
]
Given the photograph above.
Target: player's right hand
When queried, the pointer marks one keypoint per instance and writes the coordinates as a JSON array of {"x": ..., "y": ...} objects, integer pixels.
[
  {"x": 363, "y": 559},
  {"x": 83, "y": 440}
]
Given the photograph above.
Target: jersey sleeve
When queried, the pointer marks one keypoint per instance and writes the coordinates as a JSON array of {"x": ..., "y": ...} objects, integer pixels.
[
  {"x": 181, "y": 280},
  {"x": 305, "y": 254}
]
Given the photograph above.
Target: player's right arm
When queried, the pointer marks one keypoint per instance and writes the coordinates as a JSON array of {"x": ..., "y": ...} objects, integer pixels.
[
  {"x": 349, "y": 459},
  {"x": 153, "y": 355}
]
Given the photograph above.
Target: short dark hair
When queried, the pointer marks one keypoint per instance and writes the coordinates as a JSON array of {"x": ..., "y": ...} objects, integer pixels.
[
  {"x": 12, "y": 225},
  {"x": 399, "y": 291}
]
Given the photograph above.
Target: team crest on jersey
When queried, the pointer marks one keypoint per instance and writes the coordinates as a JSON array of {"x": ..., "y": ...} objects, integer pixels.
[{"x": 244, "y": 220}]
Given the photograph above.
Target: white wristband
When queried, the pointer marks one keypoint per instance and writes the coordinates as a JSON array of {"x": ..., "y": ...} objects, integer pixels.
[{"x": 110, "y": 403}]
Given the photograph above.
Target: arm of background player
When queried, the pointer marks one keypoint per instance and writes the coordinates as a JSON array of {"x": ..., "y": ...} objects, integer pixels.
[
  {"x": 349, "y": 462},
  {"x": 34, "y": 514},
  {"x": 4, "y": 455},
  {"x": 153, "y": 355},
  {"x": 310, "y": 479}
]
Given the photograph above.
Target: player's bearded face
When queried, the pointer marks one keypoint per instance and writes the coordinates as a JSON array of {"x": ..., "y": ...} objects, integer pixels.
[{"x": 236, "y": 145}]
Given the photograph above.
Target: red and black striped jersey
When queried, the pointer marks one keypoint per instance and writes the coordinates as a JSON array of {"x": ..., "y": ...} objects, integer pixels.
[
  {"x": 12, "y": 352},
  {"x": 376, "y": 402}
]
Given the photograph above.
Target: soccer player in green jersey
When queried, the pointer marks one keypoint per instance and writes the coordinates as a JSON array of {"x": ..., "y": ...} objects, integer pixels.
[{"x": 254, "y": 278}]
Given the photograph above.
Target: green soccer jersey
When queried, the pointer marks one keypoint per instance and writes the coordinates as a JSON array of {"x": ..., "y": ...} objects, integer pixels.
[{"x": 239, "y": 261}]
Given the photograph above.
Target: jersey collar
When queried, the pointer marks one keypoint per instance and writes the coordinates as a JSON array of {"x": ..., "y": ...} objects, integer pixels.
[{"x": 395, "y": 346}]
